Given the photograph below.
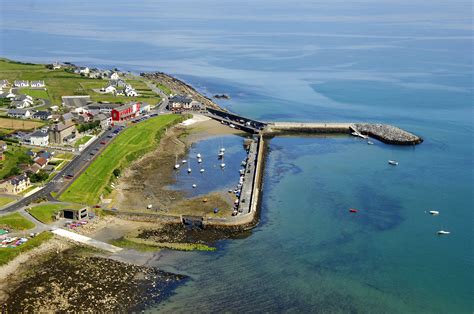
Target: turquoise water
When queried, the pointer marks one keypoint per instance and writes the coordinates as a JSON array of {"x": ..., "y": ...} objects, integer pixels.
[{"x": 403, "y": 62}]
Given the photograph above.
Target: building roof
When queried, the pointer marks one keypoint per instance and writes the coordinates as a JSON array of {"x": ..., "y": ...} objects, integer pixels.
[
  {"x": 37, "y": 82},
  {"x": 44, "y": 114},
  {"x": 16, "y": 180},
  {"x": 23, "y": 97},
  {"x": 101, "y": 117},
  {"x": 41, "y": 161},
  {"x": 39, "y": 133},
  {"x": 58, "y": 127},
  {"x": 103, "y": 106},
  {"x": 18, "y": 111},
  {"x": 67, "y": 116},
  {"x": 19, "y": 103},
  {"x": 180, "y": 99},
  {"x": 76, "y": 101}
]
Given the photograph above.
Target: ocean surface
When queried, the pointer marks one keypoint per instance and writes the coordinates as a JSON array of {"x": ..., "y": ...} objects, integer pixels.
[{"x": 405, "y": 62}]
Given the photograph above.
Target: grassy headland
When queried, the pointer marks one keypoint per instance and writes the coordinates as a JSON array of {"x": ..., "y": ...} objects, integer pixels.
[{"x": 129, "y": 145}]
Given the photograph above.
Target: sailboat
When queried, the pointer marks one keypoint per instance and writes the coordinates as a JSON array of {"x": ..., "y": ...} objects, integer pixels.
[
  {"x": 176, "y": 165},
  {"x": 222, "y": 163}
]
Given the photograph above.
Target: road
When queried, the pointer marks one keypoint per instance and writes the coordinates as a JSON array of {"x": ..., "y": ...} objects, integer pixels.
[
  {"x": 75, "y": 168},
  {"x": 162, "y": 106}
]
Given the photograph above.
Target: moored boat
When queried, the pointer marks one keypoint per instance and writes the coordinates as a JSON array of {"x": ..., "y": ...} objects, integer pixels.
[{"x": 393, "y": 162}]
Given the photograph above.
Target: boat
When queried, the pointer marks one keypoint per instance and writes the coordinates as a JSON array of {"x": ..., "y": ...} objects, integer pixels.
[
  {"x": 370, "y": 143},
  {"x": 202, "y": 170},
  {"x": 199, "y": 160},
  {"x": 393, "y": 162},
  {"x": 222, "y": 165},
  {"x": 443, "y": 232},
  {"x": 198, "y": 155},
  {"x": 222, "y": 150},
  {"x": 220, "y": 155},
  {"x": 176, "y": 165},
  {"x": 184, "y": 161},
  {"x": 189, "y": 170},
  {"x": 352, "y": 210},
  {"x": 434, "y": 212},
  {"x": 194, "y": 186}
]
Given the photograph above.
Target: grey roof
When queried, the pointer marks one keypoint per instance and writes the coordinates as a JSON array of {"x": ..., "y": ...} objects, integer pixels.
[
  {"x": 67, "y": 116},
  {"x": 103, "y": 106},
  {"x": 17, "y": 111},
  {"x": 18, "y": 179},
  {"x": 22, "y": 97},
  {"x": 44, "y": 114},
  {"x": 39, "y": 133},
  {"x": 76, "y": 101},
  {"x": 101, "y": 117},
  {"x": 180, "y": 99},
  {"x": 38, "y": 82},
  {"x": 61, "y": 126},
  {"x": 17, "y": 103}
]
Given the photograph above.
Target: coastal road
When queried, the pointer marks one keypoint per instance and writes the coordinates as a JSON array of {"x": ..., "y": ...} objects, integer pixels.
[
  {"x": 164, "y": 98},
  {"x": 74, "y": 168}
]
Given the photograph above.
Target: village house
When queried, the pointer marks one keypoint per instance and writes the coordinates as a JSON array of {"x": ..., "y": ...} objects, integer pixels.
[
  {"x": 39, "y": 138},
  {"x": 61, "y": 133},
  {"x": 77, "y": 104},
  {"x": 41, "y": 161},
  {"x": 56, "y": 65},
  {"x": 105, "y": 120},
  {"x": 179, "y": 103},
  {"x": 15, "y": 185},
  {"x": 26, "y": 98},
  {"x": 19, "y": 113},
  {"x": 37, "y": 84},
  {"x": 4, "y": 83},
  {"x": 8, "y": 95},
  {"x": 144, "y": 108},
  {"x": 115, "y": 76},
  {"x": 125, "y": 112},
  {"x": 85, "y": 70},
  {"x": 67, "y": 117},
  {"x": 110, "y": 89},
  {"x": 20, "y": 83},
  {"x": 42, "y": 115},
  {"x": 130, "y": 92},
  {"x": 45, "y": 154},
  {"x": 20, "y": 104}
]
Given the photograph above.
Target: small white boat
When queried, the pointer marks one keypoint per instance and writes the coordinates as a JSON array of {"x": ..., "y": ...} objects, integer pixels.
[
  {"x": 222, "y": 165},
  {"x": 222, "y": 149},
  {"x": 149, "y": 206},
  {"x": 189, "y": 170},
  {"x": 202, "y": 170},
  {"x": 198, "y": 155},
  {"x": 194, "y": 186},
  {"x": 370, "y": 143},
  {"x": 393, "y": 162},
  {"x": 199, "y": 160},
  {"x": 443, "y": 232},
  {"x": 434, "y": 212},
  {"x": 176, "y": 166},
  {"x": 184, "y": 161}
]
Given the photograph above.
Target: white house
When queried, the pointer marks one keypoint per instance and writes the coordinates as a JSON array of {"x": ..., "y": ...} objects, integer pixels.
[
  {"x": 144, "y": 108},
  {"x": 110, "y": 89},
  {"x": 85, "y": 70},
  {"x": 20, "y": 104},
  {"x": 19, "y": 113},
  {"x": 21, "y": 84},
  {"x": 56, "y": 65},
  {"x": 114, "y": 76},
  {"x": 39, "y": 138},
  {"x": 130, "y": 92},
  {"x": 3, "y": 83},
  {"x": 26, "y": 98},
  {"x": 37, "y": 84},
  {"x": 8, "y": 95}
]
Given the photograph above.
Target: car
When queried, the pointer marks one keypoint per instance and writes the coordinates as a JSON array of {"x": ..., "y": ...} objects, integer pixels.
[
  {"x": 70, "y": 176},
  {"x": 110, "y": 135},
  {"x": 103, "y": 142},
  {"x": 92, "y": 153}
]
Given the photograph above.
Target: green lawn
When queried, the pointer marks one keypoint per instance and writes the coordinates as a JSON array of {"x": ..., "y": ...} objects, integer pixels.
[
  {"x": 35, "y": 93},
  {"x": 165, "y": 89},
  {"x": 13, "y": 156},
  {"x": 46, "y": 212},
  {"x": 16, "y": 221},
  {"x": 129, "y": 145},
  {"x": 7, "y": 254},
  {"x": 4, "y": 200},
  {"x": 82, "y": 140}
]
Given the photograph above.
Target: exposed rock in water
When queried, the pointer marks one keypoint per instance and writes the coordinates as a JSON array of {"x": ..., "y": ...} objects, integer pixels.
[
  {"x": 388, "y": 134},
  {"x": 72, "y": 283},
  {"x": 221, "y": 96},
  {"x": 181, "y": 87}
]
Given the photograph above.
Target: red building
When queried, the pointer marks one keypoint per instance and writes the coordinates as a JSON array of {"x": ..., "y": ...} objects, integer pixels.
[{"x": 125, "y": 112}]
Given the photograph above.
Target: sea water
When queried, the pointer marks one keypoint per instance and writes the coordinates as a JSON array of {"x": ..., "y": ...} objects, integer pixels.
[{"x": 408, "y": 63}]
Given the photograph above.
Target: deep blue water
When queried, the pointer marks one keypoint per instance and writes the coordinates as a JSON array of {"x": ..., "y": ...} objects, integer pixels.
[{"x": 403, "y": 62}]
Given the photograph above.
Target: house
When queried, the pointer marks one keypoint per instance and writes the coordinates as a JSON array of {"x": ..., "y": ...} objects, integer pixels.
[
  {"x": 15, "y": 185},
  {"x": 4, "y": 83},
  {"x": 196, "y": 105},
  {"x": 20, "y": 104},
  {"x": 119, "y": 83},
  {"x": 8, "y": 95},
  {"x": 56, "y": 65},
  {"x": 179, "y": 103},
  {"x": 45, "y": 154},
  {"x": 130, "y": 92},
  {"x": 106, "y": 108},
  {"x": 67, "y": 117},
  {"x": 31, "y": 153},
  {"x": 39, "y": 138},
  {"x": 54, "y": 108},
  {"x": 76, "y": 103},
  {"x": 26, "y": 98},
  {"x": 3, "y": 146},
  {"x": 85, "y": 70},
  {"x": 37, "y": 84},
  {"x": 20, "y": 83},
  {"x": 104, "y": 120},
  {"x": 125, "y": 112},
  {"x": 62, "y": 132},
  {"x": 34, "y": 168},
  {"x": 144, "y": 108},
  {"x": 40, "y": 161},
  {"x": 114, "y": 76},
  {"x": 19, "y": 113},
  {"x": 42, "y": 115},
  {"x": 110, "y": 89},
  {"x": 83, "y": 118}
]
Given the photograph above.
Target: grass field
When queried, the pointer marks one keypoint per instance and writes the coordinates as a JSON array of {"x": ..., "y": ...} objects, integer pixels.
[
  {"x": 129, "y": 145},
  {"x": 16, "y": 221},
  {"x": 35, "y": 93},
  {"x": 4, "y": 200},
  {"x": 7, "y": 254},
  {"x": 165, "y": 89},
  {"x": 82, "y": 140},
  {"x": 46, "y": 212},
  {"x": 61, "y": 83},
  {"x": 13, "y": 155},
  {"x": 16, "y": 124}
]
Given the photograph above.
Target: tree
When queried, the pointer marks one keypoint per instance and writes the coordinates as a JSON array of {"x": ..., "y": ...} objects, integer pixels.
[
  {"x": 39, "y": 177},
  {"x": 117, "y": 172}
]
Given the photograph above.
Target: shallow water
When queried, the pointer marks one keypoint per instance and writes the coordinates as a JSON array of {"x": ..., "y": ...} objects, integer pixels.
[{"x": 403, "y": 62}]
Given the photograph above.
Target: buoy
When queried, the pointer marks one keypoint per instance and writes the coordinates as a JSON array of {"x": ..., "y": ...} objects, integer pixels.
[{"x": 352, "y": 210}]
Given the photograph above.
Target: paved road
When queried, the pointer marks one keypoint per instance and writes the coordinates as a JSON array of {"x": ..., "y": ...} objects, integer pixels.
[
  {"x": 74, "y": 168},
  {"x": 164, "y": 98}
]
